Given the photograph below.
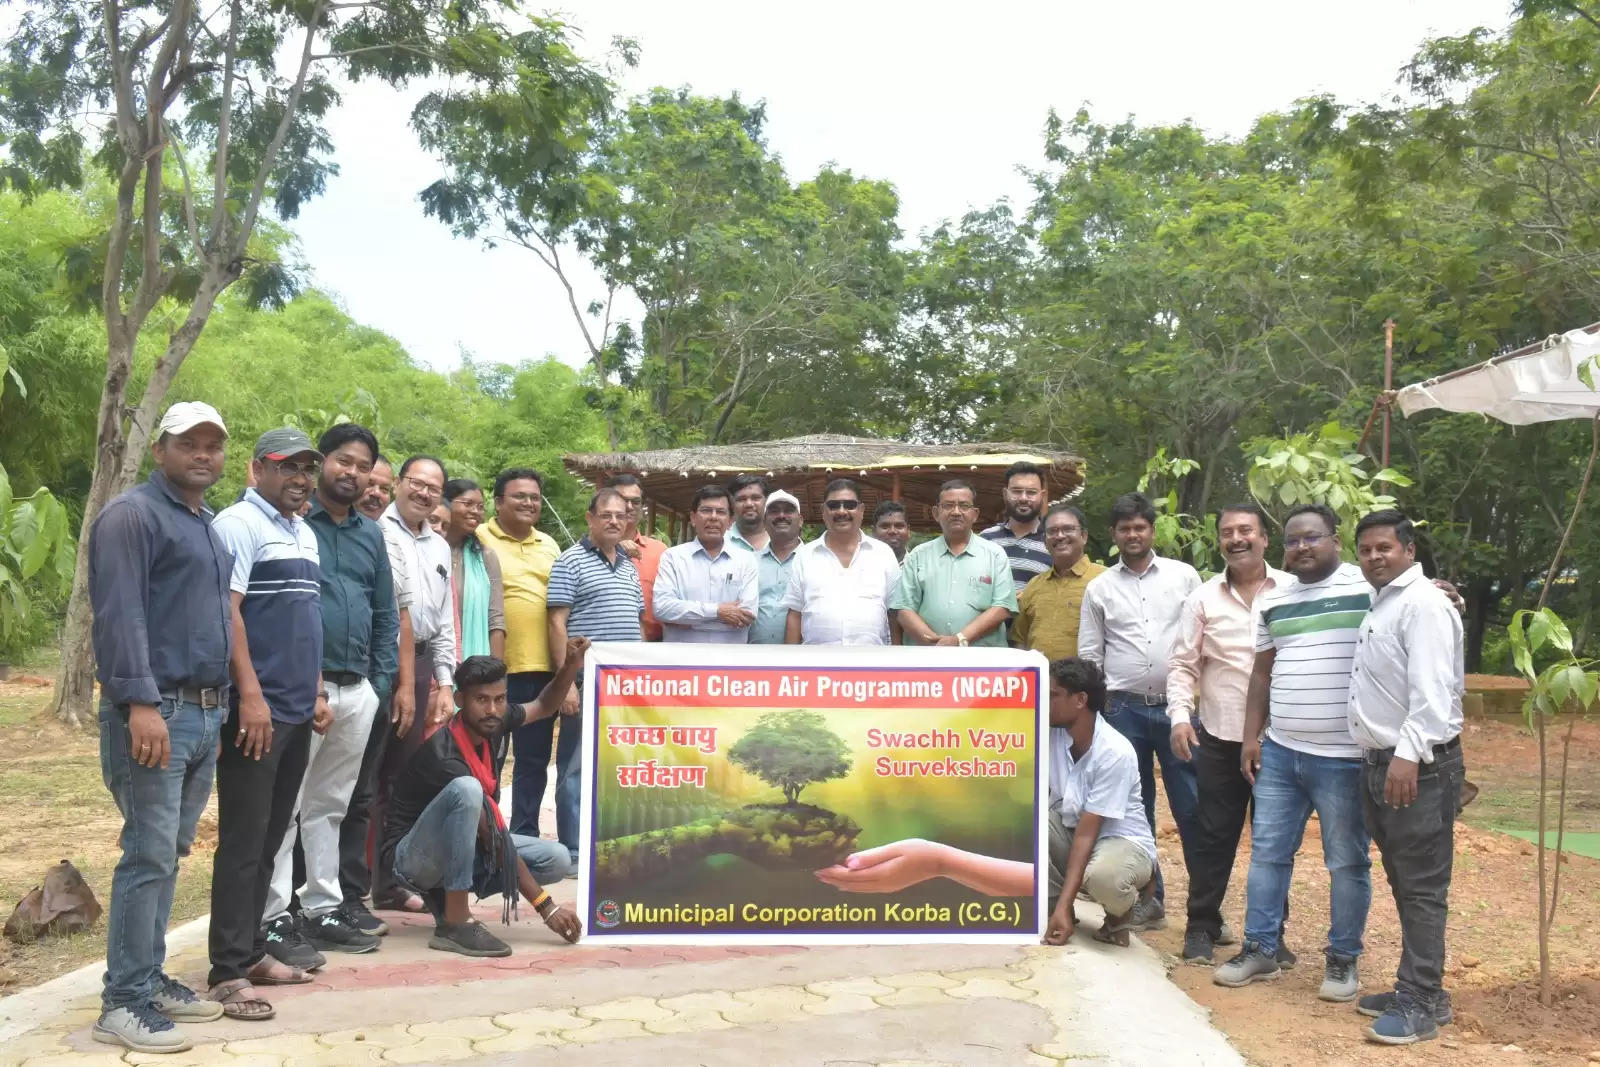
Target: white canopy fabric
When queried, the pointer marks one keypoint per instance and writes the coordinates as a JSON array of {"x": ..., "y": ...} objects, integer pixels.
[{"x": 1539, "y": 384}]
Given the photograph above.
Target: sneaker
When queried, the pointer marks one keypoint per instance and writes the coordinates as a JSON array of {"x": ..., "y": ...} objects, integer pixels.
[
  {"x": 1285, "y": 958},
  {"x": 1250, "y": 965},
  {"x": 177, "y": 1001},
  {"x": 470, "y": 938},
  {"x": 1374, "y": 1005},
  {"x": 330, "y": 932},
  {"x": 287, "y": 944},
  {"x": 1226, "y": 936},
  {"x": 1197, "y": 947},
  {"x": 1406, "y": 1022},
  {"x": 1148, "y": 915},
  {"x": 142, "y": 1028},
  {"x": 1340, "y": 983},
  {"x": 355, "y": 913}
]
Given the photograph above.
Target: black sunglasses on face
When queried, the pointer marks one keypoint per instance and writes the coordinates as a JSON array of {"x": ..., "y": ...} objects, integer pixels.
[{"x": 842, "y": 505}]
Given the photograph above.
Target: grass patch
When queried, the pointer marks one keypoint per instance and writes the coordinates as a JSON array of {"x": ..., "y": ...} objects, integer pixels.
[{"x": 1581, "y": 844}]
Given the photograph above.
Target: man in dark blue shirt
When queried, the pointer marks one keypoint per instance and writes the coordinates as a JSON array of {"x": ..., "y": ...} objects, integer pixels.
[
  {"x": 158, "y": 585},
  {"x": 277, "y": 697},
  {"x": 359, "y": 658}
]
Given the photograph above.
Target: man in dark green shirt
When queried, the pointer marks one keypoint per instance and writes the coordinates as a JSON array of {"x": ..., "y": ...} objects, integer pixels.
[{"x": 360, "y": 628}]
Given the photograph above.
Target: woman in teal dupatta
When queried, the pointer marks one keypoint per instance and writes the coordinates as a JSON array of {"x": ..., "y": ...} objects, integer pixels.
[{"x": 475, "y": 586}]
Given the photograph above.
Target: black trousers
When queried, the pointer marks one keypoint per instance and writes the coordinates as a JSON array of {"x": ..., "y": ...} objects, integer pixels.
[
  {"x": 356, "y": 848},
  {"x": 1417, "y": 844},
  {"x": 255, "y": 803},
  {"x": 395, "y": 753},
  {"x": 1219, "y": 820}
]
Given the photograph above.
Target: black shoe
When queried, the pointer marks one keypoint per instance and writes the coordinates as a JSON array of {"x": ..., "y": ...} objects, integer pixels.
[
  {"x": 470, "y": 938},
  {"x": 1285, "y": 958},
  {"x": 331, "y": 933},
  {"x": 287, "y": 944},
  {"x": 1375, "y": 1005},
  {"x": 1198, "y": 947},
  {"x": 355, "y": 913}
]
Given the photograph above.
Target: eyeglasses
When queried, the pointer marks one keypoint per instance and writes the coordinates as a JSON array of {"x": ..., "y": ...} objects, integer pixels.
[
  {"x": 611, "y": 516},
  {"x": 633, "y": 502},
  {"x": 712, "y": 513},
  {"x": 423, "y": 488},
  {"x": 1311, "y": 541},
  {"x": 952, "y": 507},
  {"x": 289, "y": 468},
  {"x": 841, "y": 505},
  {"x": 1055, "y": 533},
  {"x": 468, "y": 505}
]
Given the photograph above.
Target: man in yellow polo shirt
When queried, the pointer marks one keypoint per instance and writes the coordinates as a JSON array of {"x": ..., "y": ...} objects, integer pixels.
[
  {"x": 525, "y": 556},
  {"x": 1049, "y": 605}
]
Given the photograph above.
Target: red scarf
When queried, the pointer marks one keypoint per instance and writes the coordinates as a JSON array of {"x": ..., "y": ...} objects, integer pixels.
[{"x": 478, "y": 764}]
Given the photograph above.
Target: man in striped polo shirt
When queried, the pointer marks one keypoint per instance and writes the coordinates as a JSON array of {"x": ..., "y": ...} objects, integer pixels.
[
  {"x": 1305, "y": 641},
  {"x": 276, "y": 666},
  {"x": 1022, "y": 532},
  {"x": 594, "y": 593}
]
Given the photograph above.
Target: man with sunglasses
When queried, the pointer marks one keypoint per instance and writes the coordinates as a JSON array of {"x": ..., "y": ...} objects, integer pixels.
[
  {"x": 276, "y": 665},
  {"x": 955, "y": 590},
  {"x": 842, "y": 583}
]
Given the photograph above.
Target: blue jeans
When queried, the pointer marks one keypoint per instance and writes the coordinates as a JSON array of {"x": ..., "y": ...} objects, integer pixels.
[
  {"x": 530, "y": 745},
  {"x": 1149, "y": 730},
  {"x": 160, "y": 808},
  {"x": 1289, "y": 786},
  {"x": 440, "y": 849}
]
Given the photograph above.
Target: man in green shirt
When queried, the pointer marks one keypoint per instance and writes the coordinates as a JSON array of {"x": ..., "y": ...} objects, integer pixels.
[{"x": 957, "y": 588}]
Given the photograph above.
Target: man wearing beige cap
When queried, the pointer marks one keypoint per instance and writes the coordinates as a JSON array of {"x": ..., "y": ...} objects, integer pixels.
[{"x": 158, "y": 585}]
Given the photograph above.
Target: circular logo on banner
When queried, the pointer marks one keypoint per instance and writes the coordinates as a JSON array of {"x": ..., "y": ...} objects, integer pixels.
[{"x": 607, "y": 914}]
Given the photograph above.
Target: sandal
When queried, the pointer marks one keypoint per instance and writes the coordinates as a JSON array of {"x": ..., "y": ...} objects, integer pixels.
[
  {"x": 1115, "y": 931},
  {"x": 270, "y": 971},
  {"x": 239, "y": 1001}
]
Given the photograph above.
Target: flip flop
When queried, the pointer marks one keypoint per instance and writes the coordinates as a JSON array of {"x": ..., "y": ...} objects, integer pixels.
[
  {"x": 239, "y": 1001},
  {"x": 259, "y": 974}
]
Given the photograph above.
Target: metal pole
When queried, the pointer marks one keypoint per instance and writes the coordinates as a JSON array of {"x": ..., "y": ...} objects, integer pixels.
[{"x": 1388, "y": 382}]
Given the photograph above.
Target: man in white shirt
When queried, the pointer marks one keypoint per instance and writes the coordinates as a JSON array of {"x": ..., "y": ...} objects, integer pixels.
[
  {"x": 1100, "y": 841},
  {"x": 419, "y": 490},
  {"x": 705, "y": 593},
  {"x": 1405, "y": 713},
  {"x": 1127, "y": 627},
  {"x": 841, "y": 583},
  {"x": 1207, "y": 679}
]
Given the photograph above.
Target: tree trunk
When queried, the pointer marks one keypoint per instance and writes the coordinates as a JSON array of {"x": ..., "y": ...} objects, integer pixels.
[{"x": 75, "y": 691}]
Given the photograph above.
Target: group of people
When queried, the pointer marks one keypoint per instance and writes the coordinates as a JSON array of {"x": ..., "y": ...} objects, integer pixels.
[{"x": 352, "y": 650}]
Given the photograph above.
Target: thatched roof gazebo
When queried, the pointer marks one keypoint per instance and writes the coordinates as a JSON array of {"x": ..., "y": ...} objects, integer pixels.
[{"x": 885, "y": 470}]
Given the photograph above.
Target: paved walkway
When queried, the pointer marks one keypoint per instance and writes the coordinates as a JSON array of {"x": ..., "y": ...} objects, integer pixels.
[{"x": 925, "y": 1004}]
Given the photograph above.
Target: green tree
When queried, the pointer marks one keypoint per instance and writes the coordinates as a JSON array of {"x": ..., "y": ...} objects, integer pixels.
[
  {"x": 199, "y": 116},
  {"x": 35, "y": 544},
  {"x": 790, "y": 750}
]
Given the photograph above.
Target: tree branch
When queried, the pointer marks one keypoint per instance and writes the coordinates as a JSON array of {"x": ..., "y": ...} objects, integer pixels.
[{"x": 219, "y": 195}]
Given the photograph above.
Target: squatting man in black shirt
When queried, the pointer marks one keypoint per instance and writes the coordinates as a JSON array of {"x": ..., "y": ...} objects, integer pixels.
[{"x": 444, "y": 831}]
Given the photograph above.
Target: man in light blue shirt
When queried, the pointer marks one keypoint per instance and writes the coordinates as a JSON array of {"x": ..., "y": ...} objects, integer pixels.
[
  {"x": 704, "y": 592},
  {"x": 774, "y": 565}
]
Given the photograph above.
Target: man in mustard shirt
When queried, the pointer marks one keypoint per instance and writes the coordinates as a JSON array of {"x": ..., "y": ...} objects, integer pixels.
[
  {"x": 1049, "y": 606},
  {"x": 956, "y": 589},
  {"x": 525, "y": 556}
]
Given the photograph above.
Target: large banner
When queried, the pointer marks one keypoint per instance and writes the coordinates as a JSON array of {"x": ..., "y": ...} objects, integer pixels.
[{"x": 813, "y": 794}]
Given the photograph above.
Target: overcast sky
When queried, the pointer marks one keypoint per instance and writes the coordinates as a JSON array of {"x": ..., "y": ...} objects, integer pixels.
[{"x": 944, "y": 100}]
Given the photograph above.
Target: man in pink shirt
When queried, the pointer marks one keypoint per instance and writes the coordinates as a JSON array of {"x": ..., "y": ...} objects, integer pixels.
[{"x": 1207, "y": 678}]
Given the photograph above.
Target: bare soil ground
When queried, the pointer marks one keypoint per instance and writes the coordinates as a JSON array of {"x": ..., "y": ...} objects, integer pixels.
[{"x": 1492, "y": 967}]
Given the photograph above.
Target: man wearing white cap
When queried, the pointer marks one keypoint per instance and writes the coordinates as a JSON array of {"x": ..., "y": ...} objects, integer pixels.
[
  {"x": 158, "y": 585},
  {"x": 841, "y": 583},
  {"x": 773, "y": 563}
]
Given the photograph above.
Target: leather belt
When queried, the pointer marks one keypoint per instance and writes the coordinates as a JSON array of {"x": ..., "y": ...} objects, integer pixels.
[
  {"x": 343, "y": 677},
  {"x": 1149, "y": 700},
  {"x": 207, "y": 697},
  {"x": 1384, "y": 755}
]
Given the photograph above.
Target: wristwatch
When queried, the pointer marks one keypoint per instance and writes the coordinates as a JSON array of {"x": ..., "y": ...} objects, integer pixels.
[{"x": 961, "y": 639}]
